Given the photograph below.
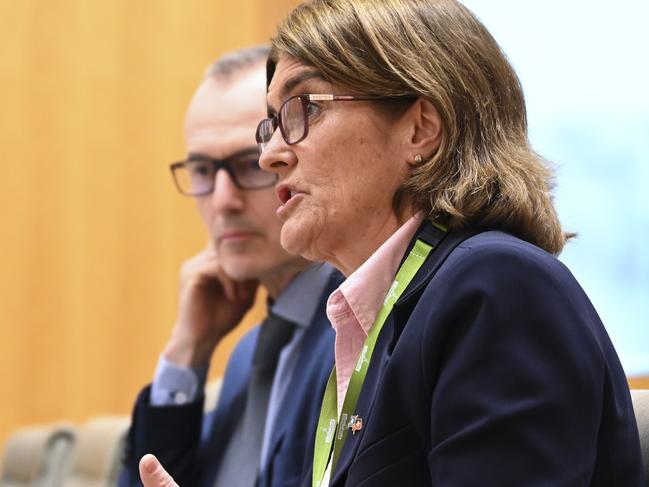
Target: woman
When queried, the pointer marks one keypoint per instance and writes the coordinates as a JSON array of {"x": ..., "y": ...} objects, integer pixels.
[
  {"x": 402, "y": 150},
  {"x": 466, "y": 353}
]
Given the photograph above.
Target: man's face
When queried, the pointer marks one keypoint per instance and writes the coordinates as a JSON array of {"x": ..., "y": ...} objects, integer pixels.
[{"x": 244, "y": 230}]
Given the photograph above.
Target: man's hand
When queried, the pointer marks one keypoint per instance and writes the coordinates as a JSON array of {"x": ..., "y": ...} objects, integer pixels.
[
  {"x": 210, "y": 305},
  {"x": 152, "y": 473}
]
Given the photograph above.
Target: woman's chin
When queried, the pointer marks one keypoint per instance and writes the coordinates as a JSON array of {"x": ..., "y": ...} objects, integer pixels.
[
  {"x": 299, "y": 239},
  {"x": 293, "y": 239}
]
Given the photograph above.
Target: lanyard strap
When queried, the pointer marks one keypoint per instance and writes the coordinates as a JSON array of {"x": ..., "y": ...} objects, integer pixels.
[{"x": 332, "y": 433}]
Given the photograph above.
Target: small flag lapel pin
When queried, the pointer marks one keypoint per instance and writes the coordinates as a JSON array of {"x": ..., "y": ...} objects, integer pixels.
[{"x": 355, "y": 424}]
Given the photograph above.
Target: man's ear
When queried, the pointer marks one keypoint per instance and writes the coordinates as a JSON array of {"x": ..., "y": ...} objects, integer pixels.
[{"x": 425, "y": 129}]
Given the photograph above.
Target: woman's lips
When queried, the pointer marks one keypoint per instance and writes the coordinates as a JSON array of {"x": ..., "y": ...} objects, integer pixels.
[
  {"x": 285, "y": 192},
  {"x": 288, "y": 197}
]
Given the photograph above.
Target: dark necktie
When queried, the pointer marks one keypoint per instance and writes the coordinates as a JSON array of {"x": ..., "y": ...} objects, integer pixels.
[{"x": 240, "y": 465}]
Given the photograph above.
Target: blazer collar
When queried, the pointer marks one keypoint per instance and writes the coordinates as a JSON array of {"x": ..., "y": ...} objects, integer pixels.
[{"x": 444, "y": 244}]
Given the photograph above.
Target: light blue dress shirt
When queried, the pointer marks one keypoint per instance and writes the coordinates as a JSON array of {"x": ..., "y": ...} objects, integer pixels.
[{"x": 176, "y": 385}]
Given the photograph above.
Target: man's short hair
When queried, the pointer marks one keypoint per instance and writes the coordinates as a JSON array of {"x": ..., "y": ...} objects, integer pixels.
[{"x": 236, "y": 61}]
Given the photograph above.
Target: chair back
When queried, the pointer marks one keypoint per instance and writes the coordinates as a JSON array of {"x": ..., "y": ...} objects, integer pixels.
[
  {"x": 640, "y": 399},
  {"x": 38, "y": 456},
  {"x": 97, "y": 456}
]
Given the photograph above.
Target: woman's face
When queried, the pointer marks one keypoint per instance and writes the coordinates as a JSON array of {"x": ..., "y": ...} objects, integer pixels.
[{"x": 336, "y": 187}]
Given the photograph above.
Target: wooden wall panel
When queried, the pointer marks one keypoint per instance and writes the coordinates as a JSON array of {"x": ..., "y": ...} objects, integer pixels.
[
  {"x": 639, "y": 382},
  {"x": 92, "y": 100}
]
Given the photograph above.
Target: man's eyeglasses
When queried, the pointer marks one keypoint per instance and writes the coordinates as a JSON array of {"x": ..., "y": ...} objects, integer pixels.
[
  {"x": 196, "y": 175},
  {"x": 293, "y": 117}
]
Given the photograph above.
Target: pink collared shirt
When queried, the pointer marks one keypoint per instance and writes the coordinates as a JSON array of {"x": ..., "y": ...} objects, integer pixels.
[{"x": 353, "y": 307}]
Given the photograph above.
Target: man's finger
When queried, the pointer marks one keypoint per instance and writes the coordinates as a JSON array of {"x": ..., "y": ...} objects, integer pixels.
[{"x": 152, "y": 473}]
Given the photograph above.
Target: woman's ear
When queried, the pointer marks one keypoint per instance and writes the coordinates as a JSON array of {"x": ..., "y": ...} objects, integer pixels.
[{"x": 425, "y": 128}]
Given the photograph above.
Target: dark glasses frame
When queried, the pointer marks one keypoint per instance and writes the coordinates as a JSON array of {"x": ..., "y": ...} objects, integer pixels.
[{"x": 218, "y": 164}]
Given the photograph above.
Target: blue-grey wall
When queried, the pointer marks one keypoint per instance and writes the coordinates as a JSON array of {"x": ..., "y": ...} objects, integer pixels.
[{"x": 584, "y": 66}]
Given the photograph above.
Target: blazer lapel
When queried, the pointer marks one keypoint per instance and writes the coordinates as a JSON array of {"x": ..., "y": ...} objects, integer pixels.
[
  {"x": 392, "y": 330},
  {"x": 308, "y": 381},
  {"x": 219, "y": 425},
  {"x": 378, "y": 364},
  {"x": 444, "y": 245},
  {"x": 406, "y": 303},
  {"x": 302, "y": 376}
]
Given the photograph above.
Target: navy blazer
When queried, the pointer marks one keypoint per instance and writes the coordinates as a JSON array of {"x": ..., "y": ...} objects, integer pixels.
[
  {"x": 191, "y": 447},
  {"x": 492, "y": 370}
]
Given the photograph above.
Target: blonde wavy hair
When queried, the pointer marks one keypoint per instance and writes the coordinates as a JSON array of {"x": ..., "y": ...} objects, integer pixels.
[{"x": 484, "y": 173}]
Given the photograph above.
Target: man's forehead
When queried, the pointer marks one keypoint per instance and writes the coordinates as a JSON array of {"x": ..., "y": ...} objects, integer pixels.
[
  {"x": 220, "y": 144},
  {"x": 223, "y": 116},
  {"x": 239, "y": 94}
]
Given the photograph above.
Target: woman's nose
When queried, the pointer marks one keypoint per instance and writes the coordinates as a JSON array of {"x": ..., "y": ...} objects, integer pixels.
[{"x": 277, "y": 156}]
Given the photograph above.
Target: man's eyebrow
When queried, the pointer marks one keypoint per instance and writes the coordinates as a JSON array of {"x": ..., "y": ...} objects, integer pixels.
[{"x": 296, "y": 80}]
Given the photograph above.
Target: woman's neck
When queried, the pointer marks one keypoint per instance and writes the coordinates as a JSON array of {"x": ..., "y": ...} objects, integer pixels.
[{"x": 353, "y": 254}]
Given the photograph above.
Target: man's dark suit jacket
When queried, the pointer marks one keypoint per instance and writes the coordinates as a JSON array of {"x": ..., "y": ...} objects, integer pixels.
[
  {"x": 492, "y": 370},
  {"x": 174, "y": 435}
]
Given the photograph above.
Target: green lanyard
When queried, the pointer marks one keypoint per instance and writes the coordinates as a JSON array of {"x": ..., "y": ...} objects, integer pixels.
[{"x": 332, "y": 433}]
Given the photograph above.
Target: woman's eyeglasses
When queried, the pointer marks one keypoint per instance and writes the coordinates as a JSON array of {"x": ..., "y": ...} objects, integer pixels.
[
  {"x": 293, "y": 117},
  {"x": 196, "y": 175}
]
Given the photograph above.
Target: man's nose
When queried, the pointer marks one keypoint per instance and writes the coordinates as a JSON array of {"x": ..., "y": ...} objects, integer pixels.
[{"x": 227, "y": 196}]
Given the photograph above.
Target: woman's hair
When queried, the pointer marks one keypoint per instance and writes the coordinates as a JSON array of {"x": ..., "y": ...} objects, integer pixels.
[{"x": 484, "y": 172}]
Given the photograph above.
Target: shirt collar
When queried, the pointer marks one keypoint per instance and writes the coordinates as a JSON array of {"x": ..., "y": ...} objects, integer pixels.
[
  {"x": 299, "y": 301},
  {"x": 366, "y": 288}
]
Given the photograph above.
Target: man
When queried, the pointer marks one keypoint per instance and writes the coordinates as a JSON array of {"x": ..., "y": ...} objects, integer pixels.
[{"x": 261, "y": 430}]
